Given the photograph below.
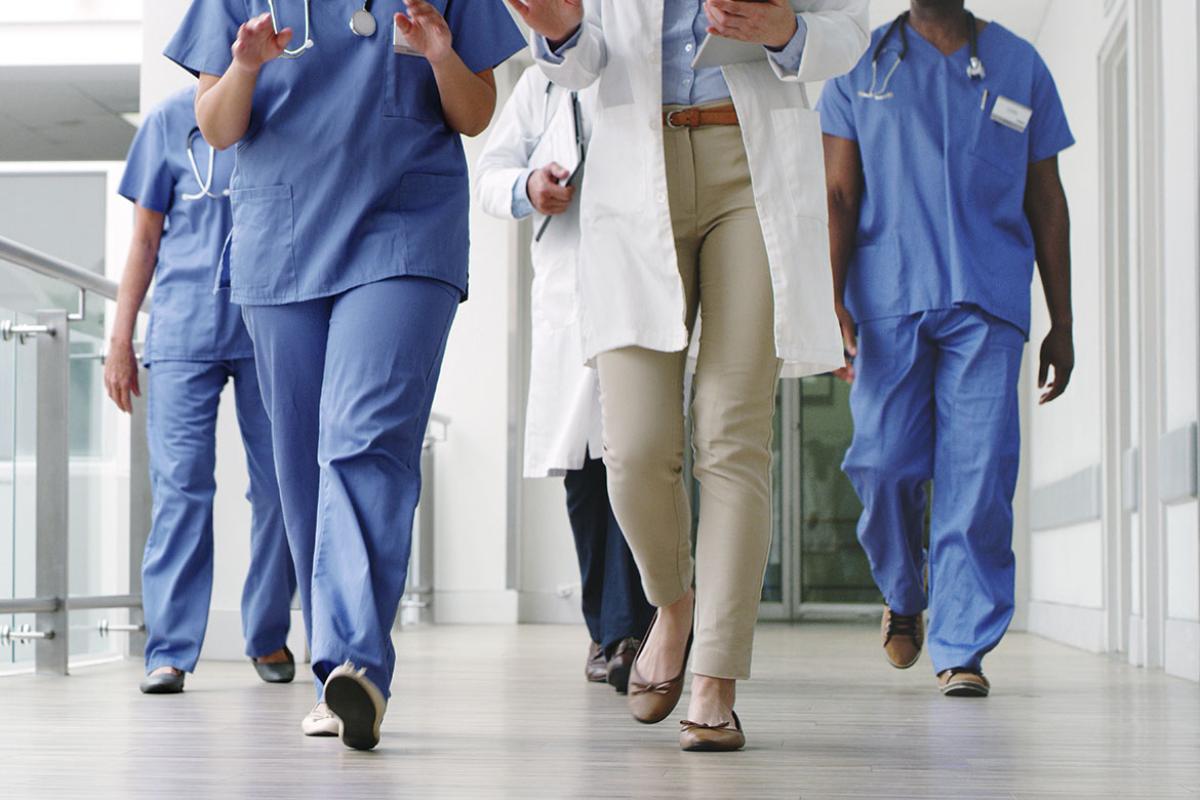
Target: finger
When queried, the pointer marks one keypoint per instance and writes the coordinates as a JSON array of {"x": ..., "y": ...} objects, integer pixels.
[
  {"x": 134, "y": 386},
  {"x": 558, "y": 171},
  {"x": 404, "y": 23},
  {"x": 520, "y": 8},
  {"x": 730, "y": 8},
  {"x": 122, "y": 399},
  {"x": 283, "y": 38},
  {"x": 1043, "y": 373}
]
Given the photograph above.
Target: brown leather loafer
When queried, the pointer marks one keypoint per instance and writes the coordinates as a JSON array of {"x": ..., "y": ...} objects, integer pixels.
[
  {"x": 620, "y": 664},
  {"x": 653, "y": 702},
  {"x": 595, "y": 669},
  {"x": 903, "y": 638},
  {"x": 963, "y": 683},
  {"x": 724, "y": 738}
]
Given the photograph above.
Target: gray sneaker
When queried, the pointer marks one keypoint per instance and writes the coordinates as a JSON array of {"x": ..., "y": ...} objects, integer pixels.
[
  {"x": 163, "y": 682},
  {"x": 358, "y": 703}
]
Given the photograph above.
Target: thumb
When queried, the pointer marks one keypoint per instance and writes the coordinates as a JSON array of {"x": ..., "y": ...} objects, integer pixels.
[
  {"x": 558, "y": 170},
  {"x": 1043, "y": 372}
]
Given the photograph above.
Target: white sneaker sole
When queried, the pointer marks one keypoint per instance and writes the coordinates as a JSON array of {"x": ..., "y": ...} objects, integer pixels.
[{"x": 358, "y": 704}]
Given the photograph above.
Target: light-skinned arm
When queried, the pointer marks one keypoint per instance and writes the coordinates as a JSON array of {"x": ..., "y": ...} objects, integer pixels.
[{"x": 120, "y": 365}]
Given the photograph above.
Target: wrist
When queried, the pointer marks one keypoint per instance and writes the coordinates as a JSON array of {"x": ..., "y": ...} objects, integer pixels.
[
  {"x": 1062, "y": 325},
  {"x": 558, "y": 40},
  {"x": 120, "y": 340},
  {"x": 245, "y": 70},
  {"x": 780, "y": 42}
]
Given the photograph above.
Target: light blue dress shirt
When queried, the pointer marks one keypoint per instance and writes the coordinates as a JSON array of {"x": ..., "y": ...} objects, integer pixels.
[{"x": 684, "y": 27}]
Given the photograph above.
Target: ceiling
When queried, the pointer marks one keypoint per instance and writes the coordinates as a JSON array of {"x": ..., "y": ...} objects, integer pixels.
[
  {"x": 1022, "y": 17},
  {"x": 67, "y": 113}
]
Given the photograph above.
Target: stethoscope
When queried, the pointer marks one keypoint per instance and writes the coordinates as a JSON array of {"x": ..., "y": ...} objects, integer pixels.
[
  {"x": 362, "y": 23},
  {"x": 975, "y": 70},
  {"x": 204, "y": 183}
]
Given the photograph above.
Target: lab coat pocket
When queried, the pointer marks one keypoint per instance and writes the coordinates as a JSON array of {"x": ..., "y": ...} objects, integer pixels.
[
  {"x": 801, "y": 160},
  {"x": 261, "y": 253},
  {"x": 436, "y": 230}
]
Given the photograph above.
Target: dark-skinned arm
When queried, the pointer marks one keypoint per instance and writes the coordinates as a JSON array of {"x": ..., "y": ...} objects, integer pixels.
[
  {"x": 844, "y": 179},
  {"x": 1050, "y": 219}
]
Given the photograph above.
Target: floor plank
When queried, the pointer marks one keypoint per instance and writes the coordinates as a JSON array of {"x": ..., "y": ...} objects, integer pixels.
[{"x": 503, "y": 712}]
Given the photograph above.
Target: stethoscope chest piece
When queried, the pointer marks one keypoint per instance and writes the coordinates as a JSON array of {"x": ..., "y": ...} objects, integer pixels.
[{"x": 363, "y": 23}]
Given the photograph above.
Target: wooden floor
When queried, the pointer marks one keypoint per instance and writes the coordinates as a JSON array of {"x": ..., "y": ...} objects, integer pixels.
[{"x": 483, "y": 712}]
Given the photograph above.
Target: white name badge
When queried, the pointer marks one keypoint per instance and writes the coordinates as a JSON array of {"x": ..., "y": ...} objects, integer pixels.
[
  {"x": 1011, "y": 114},
  {"x": 400, "y": 42}
]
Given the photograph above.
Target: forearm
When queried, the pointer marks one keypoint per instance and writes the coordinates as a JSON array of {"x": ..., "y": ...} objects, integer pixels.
[
  {"x": 223, "y": 105},
  {"x": 468, "y": 99},
  {"x": 843, "y": 235},
  {"x": 1052, "y": 235},
  {"x": 135, "y": 282}
]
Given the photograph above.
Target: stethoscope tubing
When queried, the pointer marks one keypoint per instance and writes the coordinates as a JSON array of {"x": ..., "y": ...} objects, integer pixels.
[
  {"x": 975, "y": 68},
  {"x": 205, "y": 184}
]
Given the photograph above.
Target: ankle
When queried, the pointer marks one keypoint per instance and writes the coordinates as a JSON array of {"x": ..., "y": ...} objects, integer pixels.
[
  {"x": 679, "y": 614},
  {"x": 721, "y": 691}
]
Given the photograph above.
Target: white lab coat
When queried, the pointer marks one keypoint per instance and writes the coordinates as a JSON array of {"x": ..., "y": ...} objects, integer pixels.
[
  {"x": 631, "y": 292},
  {"x": 562, "y": 418}
]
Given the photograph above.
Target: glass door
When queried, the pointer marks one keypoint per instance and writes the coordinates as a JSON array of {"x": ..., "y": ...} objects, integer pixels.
[{"x": 816, "y": 566}]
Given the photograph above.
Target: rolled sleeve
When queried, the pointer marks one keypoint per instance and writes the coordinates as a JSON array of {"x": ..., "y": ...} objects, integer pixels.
[
  {"x": 792, "y": 54},
  {"x": 556, "y": 55},
  {"x": 521, "y": 207}
]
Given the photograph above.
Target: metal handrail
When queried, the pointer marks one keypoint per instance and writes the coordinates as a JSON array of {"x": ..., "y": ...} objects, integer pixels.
[{"x": 52, "y": 267}]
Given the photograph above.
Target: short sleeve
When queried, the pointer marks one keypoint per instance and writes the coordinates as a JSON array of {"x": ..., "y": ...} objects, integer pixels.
[
  {"x": 205, "y": 38},
  {"x": 148, "y": 181},
  {"x": 485, "y": 35},
  {"x": 837, "y": 110},
  {"x": 1049, "y": 133}
]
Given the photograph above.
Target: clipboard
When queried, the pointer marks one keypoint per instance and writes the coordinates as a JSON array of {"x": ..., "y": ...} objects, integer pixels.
[
  {"x": 581, "y": 147},
  {"x": 718, "y": 51}
]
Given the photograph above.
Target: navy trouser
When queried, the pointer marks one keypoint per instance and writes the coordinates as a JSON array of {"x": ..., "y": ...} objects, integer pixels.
[{"x": 614, "y": 605}]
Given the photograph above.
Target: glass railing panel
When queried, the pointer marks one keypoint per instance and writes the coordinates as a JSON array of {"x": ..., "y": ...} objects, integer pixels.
[{"x": 98, "y": 497}]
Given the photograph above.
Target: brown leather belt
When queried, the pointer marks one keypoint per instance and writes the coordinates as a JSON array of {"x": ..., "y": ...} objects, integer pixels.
[{"x": 695, "y": 117}]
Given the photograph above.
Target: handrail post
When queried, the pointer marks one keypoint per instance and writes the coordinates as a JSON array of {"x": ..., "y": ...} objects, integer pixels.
[
  {"x": 52, "y": 497},
  {"x": 140, "y": 512}
]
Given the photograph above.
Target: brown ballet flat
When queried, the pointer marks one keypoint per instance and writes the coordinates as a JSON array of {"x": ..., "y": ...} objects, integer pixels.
[
  {"x": 724, "y": 738},
  {"x": 653, "y": 702}
]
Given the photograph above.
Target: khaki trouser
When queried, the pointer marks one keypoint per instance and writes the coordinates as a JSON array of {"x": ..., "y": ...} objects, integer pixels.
[{"x": 723, "y": 263}]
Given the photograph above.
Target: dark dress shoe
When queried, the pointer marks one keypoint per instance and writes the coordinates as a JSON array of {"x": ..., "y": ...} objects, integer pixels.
[
  {"x": 620, "y": 664},
  {"x": 163, "y": 683},
  {"x": 280, "y": 672},
  {"x": 596, "y": 667}
]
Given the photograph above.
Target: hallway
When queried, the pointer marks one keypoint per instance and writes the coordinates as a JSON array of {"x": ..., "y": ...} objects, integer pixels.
[{"x": 502, "y": 711}]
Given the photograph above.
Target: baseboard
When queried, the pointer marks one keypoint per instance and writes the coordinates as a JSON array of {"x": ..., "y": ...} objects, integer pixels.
[
  {"x": 1182, "y": 645},
  {"x": 1085, "y": 628},
  {"x": 475, "y": 608},
  {"x": 223, "y": 641},
  {"x": 549, "y": 608}
]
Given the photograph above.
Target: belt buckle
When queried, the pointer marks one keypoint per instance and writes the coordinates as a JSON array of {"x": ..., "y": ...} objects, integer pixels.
[{"x": 670, "y": 119}]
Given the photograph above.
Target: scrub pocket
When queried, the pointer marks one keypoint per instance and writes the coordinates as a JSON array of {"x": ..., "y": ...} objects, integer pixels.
[
  {"x": 262, "y": 260},
  {"x": 411, "y": 91},
  {"x": 1002, "y": 147},
  {"x": 436, "y": 231}
]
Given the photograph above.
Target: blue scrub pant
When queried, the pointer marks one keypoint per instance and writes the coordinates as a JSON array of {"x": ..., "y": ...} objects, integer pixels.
[
  {"x": 177, "y": 569},
  {"x": 348, "y": 382},
  {"x": 935, "y": 397},
  {"x": 614, "y": 606}
]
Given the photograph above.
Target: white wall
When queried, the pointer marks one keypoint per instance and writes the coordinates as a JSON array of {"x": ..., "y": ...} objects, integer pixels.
[{"x": 1073, "y": 588}]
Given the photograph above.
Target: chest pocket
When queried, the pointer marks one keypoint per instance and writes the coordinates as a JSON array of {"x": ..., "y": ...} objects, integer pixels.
[
  {"x": 1004, "y": 148},
  {"x": 411, "y": 91}
]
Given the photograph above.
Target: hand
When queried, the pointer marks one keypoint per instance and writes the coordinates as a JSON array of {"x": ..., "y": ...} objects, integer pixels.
[
  {"x": 849, "y": 342},
  {"x": 121, "y": 375},
  {"x": 546, "y": 193},
  {"x": 257, "y": 43},
  {"x": 557, "y": 20},
  {"x": 771, "y": 22},
  {"x": 1058, "y": 351},
  {"x": 426, "y": 30}
]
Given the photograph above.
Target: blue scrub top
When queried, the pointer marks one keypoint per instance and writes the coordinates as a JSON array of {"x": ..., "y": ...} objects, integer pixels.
[
  {"x": 942, "y": 221},
  {"x": 188, "y": 321},
  {"x": 348, "y": 173}
]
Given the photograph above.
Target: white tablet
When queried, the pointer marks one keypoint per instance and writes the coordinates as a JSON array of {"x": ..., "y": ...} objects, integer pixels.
[{"x": 717, "y": 51}]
